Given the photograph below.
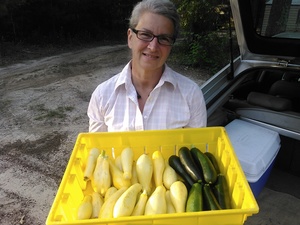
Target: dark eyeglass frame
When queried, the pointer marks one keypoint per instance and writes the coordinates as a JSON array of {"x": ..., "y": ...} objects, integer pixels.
[{"x": 169, "y": 40}]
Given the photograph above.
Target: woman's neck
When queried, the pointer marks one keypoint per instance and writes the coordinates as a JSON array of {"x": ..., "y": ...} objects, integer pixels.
[
  {"x": 144, "y": 82},
  {"x": 145, "y": 79}
]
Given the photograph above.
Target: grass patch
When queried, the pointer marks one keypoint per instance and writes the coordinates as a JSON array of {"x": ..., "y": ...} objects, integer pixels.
[
  {"x": 60, "y": 112},
  {"x": 3, "y": 105}
]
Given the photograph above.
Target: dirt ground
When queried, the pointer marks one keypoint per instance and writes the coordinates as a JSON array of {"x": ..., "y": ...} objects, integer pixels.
[{"x": 43, "y": 105}]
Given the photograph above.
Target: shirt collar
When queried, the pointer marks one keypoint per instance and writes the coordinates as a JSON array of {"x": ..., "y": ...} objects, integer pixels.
[
  {"x": 125, "y": 77},
  {"x": 168, "y": 76}
]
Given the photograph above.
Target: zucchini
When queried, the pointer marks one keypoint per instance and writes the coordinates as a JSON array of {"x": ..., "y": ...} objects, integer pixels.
[
  {"x": 221, "y": 191},
  {"x": 210, "y": 199},
  {"x": 208, "y": 169},
  {"x": 189, "y": 165},
  {"x": 195, "y": 199},
  {"x": 214, "y": 161},
  {"x": 175, "y": 163}
]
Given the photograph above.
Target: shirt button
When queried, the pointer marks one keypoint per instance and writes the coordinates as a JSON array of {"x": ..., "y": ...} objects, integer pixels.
[{"x": 145, "y": 117}]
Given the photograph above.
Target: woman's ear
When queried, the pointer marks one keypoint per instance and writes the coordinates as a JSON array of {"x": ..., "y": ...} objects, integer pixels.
[{"x": 129, "y": 38}]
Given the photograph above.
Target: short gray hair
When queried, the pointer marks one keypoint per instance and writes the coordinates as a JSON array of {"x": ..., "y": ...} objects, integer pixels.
[{"x": 161, "y": 7}]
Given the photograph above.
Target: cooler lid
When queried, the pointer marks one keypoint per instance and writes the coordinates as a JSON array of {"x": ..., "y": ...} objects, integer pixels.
[{"x": 255, "y": 147}]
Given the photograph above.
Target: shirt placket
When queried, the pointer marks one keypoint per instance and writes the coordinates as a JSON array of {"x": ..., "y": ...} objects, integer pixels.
[
  {"x": 134, "y": 117},
  {"x": 149, "y": 106},
  {"x": 139, "y": 123}
]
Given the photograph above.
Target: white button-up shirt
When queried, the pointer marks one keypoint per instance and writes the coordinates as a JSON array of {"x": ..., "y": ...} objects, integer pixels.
[{"x": 175, "y": 102}]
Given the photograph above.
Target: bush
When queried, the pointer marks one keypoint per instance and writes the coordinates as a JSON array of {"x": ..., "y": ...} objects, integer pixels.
[{"x": 209, "y": 51}]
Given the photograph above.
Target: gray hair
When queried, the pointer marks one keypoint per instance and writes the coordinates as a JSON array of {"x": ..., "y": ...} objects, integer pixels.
[{"x": 161, "y": 7}]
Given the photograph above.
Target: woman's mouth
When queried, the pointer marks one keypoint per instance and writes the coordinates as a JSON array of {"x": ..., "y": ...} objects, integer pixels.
[{"x": 151, "y": 56}]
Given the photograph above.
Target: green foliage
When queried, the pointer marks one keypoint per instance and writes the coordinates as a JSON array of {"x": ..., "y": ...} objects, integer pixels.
[
  {"x": 209, "y": 51},
  {"x": 200, "y": 16},
  {"x": 204, "y": 27}
]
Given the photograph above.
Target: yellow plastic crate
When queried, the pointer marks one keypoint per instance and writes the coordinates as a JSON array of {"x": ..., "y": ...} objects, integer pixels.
[{"x": 212, "y": 139}]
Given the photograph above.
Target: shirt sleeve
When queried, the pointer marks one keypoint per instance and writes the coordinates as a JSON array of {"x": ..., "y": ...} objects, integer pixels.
[
  {"x": 96, "y": 118},
  {"x": 197, "y": 109}
]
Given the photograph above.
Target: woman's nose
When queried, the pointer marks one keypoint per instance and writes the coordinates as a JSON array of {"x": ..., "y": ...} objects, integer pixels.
[{"x": 153, "y": 44}]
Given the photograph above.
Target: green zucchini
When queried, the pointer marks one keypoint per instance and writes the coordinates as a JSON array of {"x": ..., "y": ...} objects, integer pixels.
[
  {"x": 189, "y": 165},
  {"x": 210, "y": 199},
  {"x": 175, "y": 163},
  {"x": 195, "y": 199},
  {"x": 208, "y": 169},
  {"x": 214, "y": 161},
  {"x": 221, "y": 191}
]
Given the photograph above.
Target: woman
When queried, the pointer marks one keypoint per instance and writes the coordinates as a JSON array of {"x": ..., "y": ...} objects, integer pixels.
[{"x": 147, "y": 94}]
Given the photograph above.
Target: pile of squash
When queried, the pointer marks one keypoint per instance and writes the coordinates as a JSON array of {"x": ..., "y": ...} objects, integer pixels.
[{"x": 151, "y": 184}]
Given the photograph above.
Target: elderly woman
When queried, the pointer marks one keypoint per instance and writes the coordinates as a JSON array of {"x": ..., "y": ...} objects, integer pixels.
[{"x": 147, "y": 94}]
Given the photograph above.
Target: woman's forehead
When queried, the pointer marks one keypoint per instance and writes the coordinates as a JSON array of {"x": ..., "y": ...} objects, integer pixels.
[{"x": 156, "y": 23}]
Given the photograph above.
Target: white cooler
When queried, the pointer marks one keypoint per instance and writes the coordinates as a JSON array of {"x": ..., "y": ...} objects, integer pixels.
[{"x": 256, "y": 148}]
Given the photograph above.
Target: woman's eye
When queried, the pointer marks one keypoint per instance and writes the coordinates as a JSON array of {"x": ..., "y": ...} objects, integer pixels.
[
  {"x": 166, "y": 40},
  {"x": 146, "y": 35}
]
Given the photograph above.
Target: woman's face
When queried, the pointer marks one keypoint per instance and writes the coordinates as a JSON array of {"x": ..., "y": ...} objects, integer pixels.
[{"x": 149, "y": 56}]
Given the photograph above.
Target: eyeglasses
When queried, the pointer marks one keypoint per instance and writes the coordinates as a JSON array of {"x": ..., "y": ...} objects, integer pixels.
[{"x": 147, "y": 36}]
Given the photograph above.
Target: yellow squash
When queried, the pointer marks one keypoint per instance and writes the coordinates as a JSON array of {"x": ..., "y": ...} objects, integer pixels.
[
  {"x": 158, "y": 167},
  {"x": 169, "y": 175},
  {"x": 156, "y": 203},
  {"x": 102, "y": 178},
  {"x": 134, "y": 178},
  {"x": 144, "y": 170},
  {"x": 117, "y": 176},
  {"x": 170, "y": 206},
  {"x": 118, "y": 162},
  {"x": 127, "y": 161},
  {"x": 139, "y": 208},
  {"x": 85, "y": 208},
  {"x": 125, "y": 204},
  {"x": 178, "y": 195},
  {"x": 91, "y": 163},
  {"x": 97, "y": 202},
  {"x": 107, "y": 208},
  {"x": 109, "y": 192}
]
